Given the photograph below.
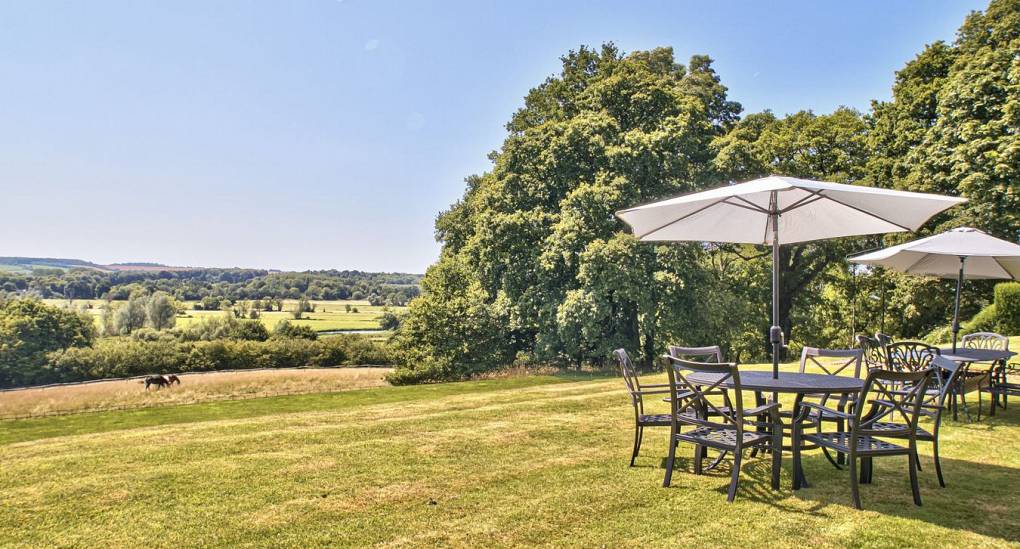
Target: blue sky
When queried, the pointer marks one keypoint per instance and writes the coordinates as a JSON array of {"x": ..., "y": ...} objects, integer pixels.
[{"x": 328, "y": 134}]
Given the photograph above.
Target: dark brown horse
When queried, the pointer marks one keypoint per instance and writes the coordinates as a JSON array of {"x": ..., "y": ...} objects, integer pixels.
[
  {"x": 158, "y": 381},
  {"x": 172, "y": 379}
]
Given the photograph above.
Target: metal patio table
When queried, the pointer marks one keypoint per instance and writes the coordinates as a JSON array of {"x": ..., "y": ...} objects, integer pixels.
[
  {"x": 966, "y": 356},
  {"x": 794, "y": 383}
]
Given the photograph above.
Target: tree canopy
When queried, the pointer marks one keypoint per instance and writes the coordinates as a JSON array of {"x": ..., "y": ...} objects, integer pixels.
[{"x": 536, "y": 268}]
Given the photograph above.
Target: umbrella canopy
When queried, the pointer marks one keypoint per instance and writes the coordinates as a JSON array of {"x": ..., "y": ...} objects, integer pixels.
[
  {"x": 959, "y": 253},
  {"x": 782, "y": 210}
]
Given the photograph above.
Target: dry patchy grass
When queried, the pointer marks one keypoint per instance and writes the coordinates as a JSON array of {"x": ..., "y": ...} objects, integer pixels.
[
  {"x": 503, "y": 462},
  {"x": 119, "y": 394}
]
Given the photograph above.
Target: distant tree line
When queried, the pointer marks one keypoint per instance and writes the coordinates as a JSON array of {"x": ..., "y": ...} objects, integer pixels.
[
  {"x": 42, "y": 343},
  {"x": 215, "y": 284}
]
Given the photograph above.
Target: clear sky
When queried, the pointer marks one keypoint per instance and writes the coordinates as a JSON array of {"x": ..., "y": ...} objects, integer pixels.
[{"x": 329, "y": 134}]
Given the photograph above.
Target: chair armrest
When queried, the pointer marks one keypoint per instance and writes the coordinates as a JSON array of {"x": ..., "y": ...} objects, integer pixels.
[
  {"x": 806, "y": 407},
  {"x": 760, "y": 409},
  {"x": 658, "y": 392},
  {"x": 656, "y": 386}
]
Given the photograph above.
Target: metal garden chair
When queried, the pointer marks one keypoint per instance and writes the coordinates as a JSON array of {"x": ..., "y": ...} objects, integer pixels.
[
  {"x": 725, "y": 431},
  {"x": 874, "y": 352},
  {"x": 832, "y": 362},
  {"x": 895, "y": 400},
  {"x": 998, "y": 382},
  {"x": 638, "y": 392},
  {"x": 944, "y": 377}
]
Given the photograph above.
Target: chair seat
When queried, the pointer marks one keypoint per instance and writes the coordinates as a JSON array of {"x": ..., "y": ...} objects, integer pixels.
[
  {"x": 890, "y": 426},
  {"x": 725, "y": 439},
  {"x": 663, "y": 420},
  {"x": 865, "y": 444}
]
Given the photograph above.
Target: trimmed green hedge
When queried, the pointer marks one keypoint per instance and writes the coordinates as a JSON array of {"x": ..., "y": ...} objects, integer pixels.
[
  {"x": 1007, "y": 307},
  {"x": 125, "y": 357}
]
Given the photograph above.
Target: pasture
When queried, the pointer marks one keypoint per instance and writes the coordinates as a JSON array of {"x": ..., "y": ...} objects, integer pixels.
[
  {"x": 328, "y": 316},
  {"x": 535, "y": 460},
  {"x": 204, "y": 387}
]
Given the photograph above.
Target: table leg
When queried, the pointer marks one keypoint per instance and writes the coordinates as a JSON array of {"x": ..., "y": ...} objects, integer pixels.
[{"x": 799, "y": 480}]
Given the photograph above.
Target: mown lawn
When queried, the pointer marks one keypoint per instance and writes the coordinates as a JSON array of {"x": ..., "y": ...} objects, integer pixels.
[{"x": 525, "y": 460}]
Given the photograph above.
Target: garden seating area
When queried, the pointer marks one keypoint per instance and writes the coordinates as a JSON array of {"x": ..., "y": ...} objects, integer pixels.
[{"x": 880, "y": 399}]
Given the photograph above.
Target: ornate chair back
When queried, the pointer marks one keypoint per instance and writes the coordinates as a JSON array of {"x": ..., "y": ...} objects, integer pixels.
[
  {"x": 985, "y": 340},
  {"x": 883, "y": 339},
  {"x": 874, "y": 352},
  {"x": 910, "y": 356}
]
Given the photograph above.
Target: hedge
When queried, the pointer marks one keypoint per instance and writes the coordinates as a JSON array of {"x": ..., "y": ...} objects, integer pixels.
[
  {"x": 1007, "y": 307},
  {"x": 125, "y": 357}
]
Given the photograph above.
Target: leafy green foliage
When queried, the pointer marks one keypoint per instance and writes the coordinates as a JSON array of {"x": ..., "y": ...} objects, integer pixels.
[
  {"x": 121, "y": 357},
  {"x": 1007, "y": 307},
  {"x": 285, "y": 329},
  {"x": 29, "y": 329}
]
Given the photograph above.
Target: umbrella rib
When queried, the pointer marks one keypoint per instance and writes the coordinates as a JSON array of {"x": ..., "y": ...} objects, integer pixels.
[
  {"x": 1003, "y": 267},
  {"x": 865, "y": 212},
  {"x": 815, "y": 196},
  {"x": 679, "y": 219},
  {"x": 754, "y": 208},
  {"x": 751, "y": 205}
]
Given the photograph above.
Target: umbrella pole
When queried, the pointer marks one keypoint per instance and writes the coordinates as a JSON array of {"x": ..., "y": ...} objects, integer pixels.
[
  {"x": 775, "y": 332},
  {"x": 956, "y": 305}
]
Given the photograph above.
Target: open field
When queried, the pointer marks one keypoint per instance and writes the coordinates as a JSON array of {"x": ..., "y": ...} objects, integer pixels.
[
  {"x": 328, "y": 315},
  {"x": 194, "y": 388},
  {"x": 522, "y": 460}
]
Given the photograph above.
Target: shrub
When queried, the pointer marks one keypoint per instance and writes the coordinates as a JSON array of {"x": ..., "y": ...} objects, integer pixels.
[
  {"x": 1007, "y": 307},
  {"x": 29, "y": 329},
  {"x": 285, "y": 329},
  {"x": 127, "y": 356},
  {"x": 224, "y": 328}
]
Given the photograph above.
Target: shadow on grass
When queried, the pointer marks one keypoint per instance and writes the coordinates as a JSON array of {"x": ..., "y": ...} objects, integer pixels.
[{"x": 979, "y": 497}]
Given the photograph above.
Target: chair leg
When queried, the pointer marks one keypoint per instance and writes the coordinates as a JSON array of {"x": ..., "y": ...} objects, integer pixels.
[
  {"x": 699, "y": 456},
  {"x": 913, "y": 479},
  {"x": 637, "y": 443},
  {"x": 840, "y": 456},
  {"x": 954, "y": 406},
  {"x": 980, "y": 402},
  {"x": 917, "y": 461},
  {"x": 938, "y": 462},
  {"x": 855, "y": 494},
  {"x": 735, "y": 477},
  {"x": 795, "y": 448},
  {"x": 669, "y": 463},
  {"x": 777, "y": 458}
]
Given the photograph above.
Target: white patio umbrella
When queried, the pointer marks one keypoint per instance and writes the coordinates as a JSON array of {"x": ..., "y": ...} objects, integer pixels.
[
  {"x": 782, "y": 210},
  {"x": 959, "y": 253}
]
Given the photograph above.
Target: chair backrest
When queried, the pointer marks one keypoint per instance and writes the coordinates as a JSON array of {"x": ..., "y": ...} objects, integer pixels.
[
  {"x": 985, "y": 340},
  {"x": 895, "y": 397},
  {"x": 946, "y": 374},
  {"x": 712, "y": 352},
  {"x": 874, "y": 352},
  {"x": 883, "y": 339},
  {"x": 686, "y": 393},
  {"x": 910, "y": 356},
  {"x": 630, "y": 376},
  {"x": 833, "y": 362}
]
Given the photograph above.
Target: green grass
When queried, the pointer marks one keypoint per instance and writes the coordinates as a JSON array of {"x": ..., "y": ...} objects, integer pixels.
[
  {"x": 517, "y": 461},
  {"x": 328, "y": 315}
]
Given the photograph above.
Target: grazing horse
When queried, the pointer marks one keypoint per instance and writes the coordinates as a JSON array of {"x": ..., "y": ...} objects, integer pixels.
[
  {"x": 158, "y": 381},
  {"x": 172, "y": 379}
]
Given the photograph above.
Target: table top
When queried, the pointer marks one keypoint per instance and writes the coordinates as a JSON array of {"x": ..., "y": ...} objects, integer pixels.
[
  {"x": 963, "y": 354},
  {"x": 788, "y": 382}
]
